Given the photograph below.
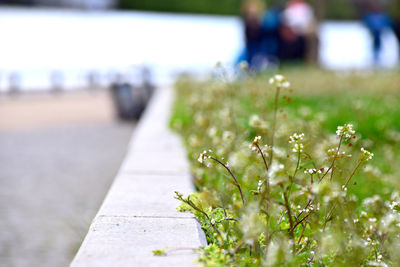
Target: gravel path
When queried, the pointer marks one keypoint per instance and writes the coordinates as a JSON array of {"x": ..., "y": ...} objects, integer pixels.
[{"x": 52, "y": 182}]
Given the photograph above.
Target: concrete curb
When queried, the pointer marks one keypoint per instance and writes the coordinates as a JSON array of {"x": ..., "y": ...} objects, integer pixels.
[{"x": 139, "y": 213}]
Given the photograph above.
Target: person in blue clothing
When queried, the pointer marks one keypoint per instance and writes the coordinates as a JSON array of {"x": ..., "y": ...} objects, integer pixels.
[
  {"x": 261, "y": 35},
  {"x": 377, "y": 21},
  {"x": 252, "y": 12},
  {"x": 277, "y": 35}
]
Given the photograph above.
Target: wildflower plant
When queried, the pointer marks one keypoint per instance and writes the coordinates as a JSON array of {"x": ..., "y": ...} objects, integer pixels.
[{"x": 267, "y": 197}]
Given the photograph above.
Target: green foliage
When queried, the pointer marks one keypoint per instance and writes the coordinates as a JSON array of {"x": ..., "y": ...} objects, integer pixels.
[
  {"x": 338, "y": 9},
  {"x": 159, "y": 252},
  {"x": 220, "y": 7},
  {"x": 305, "y": 196}
]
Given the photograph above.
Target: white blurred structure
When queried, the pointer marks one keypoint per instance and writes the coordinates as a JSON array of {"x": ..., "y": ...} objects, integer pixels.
[
  {"x": 348, "y": 45},
  {"x": 81, "y": 4},
  {"x": 38, "y": 42}
]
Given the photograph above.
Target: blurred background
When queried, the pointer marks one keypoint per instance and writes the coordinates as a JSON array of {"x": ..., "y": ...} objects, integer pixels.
[{"x": 76, "y": 74}]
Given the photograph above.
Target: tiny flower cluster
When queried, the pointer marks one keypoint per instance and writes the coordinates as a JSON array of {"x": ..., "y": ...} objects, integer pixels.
[
  {"x": 312, "y": 171},
  {"x": 334, "y": 152},
  {"x": 204, "y": 156},
  {"x": 366, "y": 155},
  {"x": 296, "y": 138},
  {"x": 253, "y": 146},
  {"x": 395, "y": 205},
  {"x": 346, "y": 130},
  {"x": 279, "y": 81}
]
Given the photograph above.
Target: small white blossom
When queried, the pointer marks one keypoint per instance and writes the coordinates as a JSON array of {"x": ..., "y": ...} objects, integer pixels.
[
  {"x": 295, "y": 140},
  {"x": 203, "y": 156},
  {"x": 279, "y": 81},
  {"x": 395, "y": 205},
  {"x": 366, "y": 155},
  {"x": 255, "y": 143},
  {"x": 311, "y": 171},
  {"x": 345, "y": 130}
]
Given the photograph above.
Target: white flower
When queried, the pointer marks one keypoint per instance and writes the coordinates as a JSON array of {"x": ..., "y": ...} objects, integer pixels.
[
  {"x": 310, "y": 171},
  {"x": 298, "y": 148},
  {"x": 203, "y": 156},
  {"x": 366, "y": 155},
  {"x": 395, "y": 205},
  {"x": 253, "y": 146},
  {"x": 296, "y": 138},
  {"x": 279, "y": 81},
  {"x": 345, "y": 130}
]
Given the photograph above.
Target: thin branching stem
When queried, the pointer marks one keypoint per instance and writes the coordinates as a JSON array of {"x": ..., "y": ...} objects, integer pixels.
[
  {"x": 191, "y": 204},
  {"x": 289, "y": 213},
  {"x": 297, "y": 164},
  {"x": 299, "y": 222},
  {"x": 233, "y": 176},
  {"x": 278, "y": 89},
  {"x": 301, "y": 236},
  {"x": 333, "y": 161},
  {"x": 263, "y": 157},
  {"x": 301, "y": 212},
  {"x": 266, "y": 176},
  {"x": 352, "y": 174},
  {"x": 328, "y": 216}
]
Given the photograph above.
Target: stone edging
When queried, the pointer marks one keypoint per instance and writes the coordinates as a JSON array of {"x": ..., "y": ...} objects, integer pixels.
[{"x": 139, "y": 213}]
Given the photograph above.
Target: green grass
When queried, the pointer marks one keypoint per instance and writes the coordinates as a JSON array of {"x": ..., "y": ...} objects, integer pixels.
[
  {"x": 226, "y": 116},
  {"x": 370, "y": 101}
]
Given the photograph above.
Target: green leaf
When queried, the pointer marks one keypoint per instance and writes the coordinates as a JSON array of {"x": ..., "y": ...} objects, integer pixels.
[{"x": 306, "y": 164}]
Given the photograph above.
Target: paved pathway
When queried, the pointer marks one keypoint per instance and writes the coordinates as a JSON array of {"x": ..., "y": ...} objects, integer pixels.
[
  {"x": 139, "y": 213},
  {"x": 54, "y": 174}
]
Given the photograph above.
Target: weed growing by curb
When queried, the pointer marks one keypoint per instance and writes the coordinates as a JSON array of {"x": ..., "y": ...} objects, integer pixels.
[{"x": 289, "y": 201}]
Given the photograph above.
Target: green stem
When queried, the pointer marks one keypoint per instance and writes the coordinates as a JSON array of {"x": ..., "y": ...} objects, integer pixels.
[
  {"x": 333, "y": 161},
  {"x": 352, "y": 174},
  {"x": 291, "y": 230},
  {"x": 236, "y": 183},
  {"x": 274, "y": 123},
  {"x": 266, "y": 177}
]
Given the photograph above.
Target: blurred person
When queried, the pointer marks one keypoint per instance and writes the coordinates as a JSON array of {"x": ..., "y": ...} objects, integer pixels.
[
  {"x": 377, "y": 21},
  {"x": 297, "y": 30},
  {"x": 252, "y": 11},
  {"x": 397, "y": 30},
  {"x": 271, "y": 22}
]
